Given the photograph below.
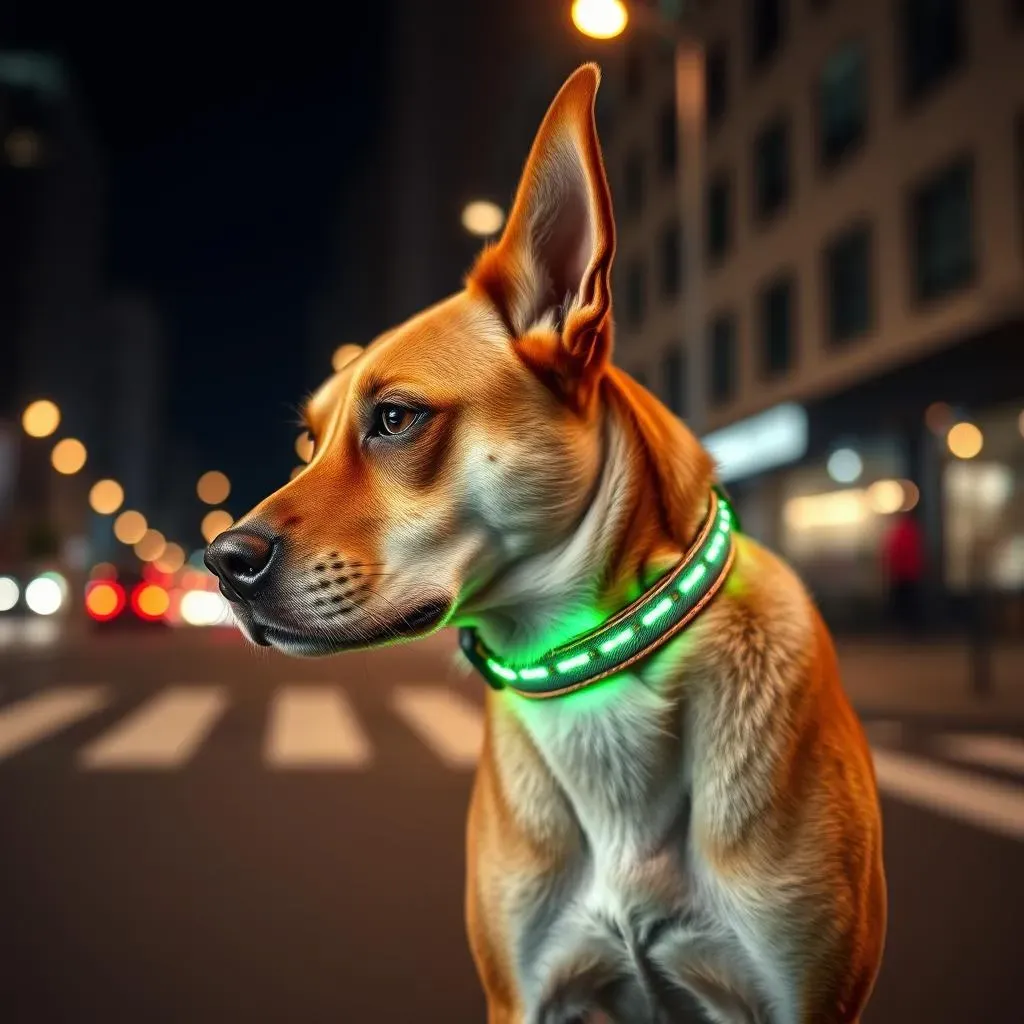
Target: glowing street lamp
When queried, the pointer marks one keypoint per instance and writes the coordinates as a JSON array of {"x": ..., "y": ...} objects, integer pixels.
[
  {"x": 41, "y": 418},
  {"x": 106, "y": 497},
  {"x": 215, "y": 523},
  {"x": 482, "y": 217},
  {"x": 68, "y": 456},
  {"x": 130, "y": 527},
  {"x": 600, "y": 19},
  {"x": 213, "y": 487}
]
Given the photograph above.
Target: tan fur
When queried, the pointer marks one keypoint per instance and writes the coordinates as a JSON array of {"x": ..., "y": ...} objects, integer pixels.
[{"x": 706, "y": 822}]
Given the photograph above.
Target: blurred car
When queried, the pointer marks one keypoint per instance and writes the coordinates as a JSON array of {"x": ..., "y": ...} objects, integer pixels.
[{"x": 128, "y": 602}]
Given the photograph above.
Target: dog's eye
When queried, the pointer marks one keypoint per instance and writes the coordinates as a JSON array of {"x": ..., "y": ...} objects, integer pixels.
[{"x": 394, "y": 419}]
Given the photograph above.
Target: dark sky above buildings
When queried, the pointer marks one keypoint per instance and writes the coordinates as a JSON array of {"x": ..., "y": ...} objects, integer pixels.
[{"x": 228, "y": 139}]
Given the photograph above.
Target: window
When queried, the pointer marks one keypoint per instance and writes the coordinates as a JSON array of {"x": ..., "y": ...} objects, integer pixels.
[
  {"x": 716, "y": 84},
  {"x": 673, "y": 366},
  {"x": 932, "y": 41},
  {"x": 842, "y": 103},
  {"x": 771, "y": 169},
  {"x": 722, "y": 361},
  {"x": 942, "y": 231},
  {"x": 776, "y": 317},
  {"x": 634, "y": 183},
  {"x": 668, "y": 138},
  {"x": 636, "y": 293},
  {"x": 671, "y": 244},
  {"x": 719, "y": 217},
  {"x": 848, "y": 284},
  {"x": 767, "y": 26}
]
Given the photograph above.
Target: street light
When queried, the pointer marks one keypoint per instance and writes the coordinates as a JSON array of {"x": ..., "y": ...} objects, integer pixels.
[
  {"x": 106, "y": 497},
  {"x": 40, "y": 418},
  {"x": 130, "y": 527},
  {"x": 68, "y": 456},
  {"x": 482, "y": 217},
  {"x": 215, "y": 523},
  {"x": 605, "y": 19},
  {"x": 600, "y": 19},
  {"x": 213, "y": 487}
]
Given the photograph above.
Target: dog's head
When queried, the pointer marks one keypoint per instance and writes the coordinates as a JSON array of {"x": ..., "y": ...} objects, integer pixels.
[{"x": 464, "y": 439}]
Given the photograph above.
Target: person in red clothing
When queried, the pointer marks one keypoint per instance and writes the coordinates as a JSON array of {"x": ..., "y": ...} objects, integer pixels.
[{"x": 904, "y": 559}]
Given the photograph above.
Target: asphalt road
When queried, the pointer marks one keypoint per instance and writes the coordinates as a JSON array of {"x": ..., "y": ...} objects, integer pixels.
[{"x": 191, "y": 831}]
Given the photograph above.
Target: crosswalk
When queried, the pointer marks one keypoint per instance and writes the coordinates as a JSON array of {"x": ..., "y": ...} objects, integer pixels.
[
  {"x": 306, "y": 726},
  {"x": 976, "y": 778}
]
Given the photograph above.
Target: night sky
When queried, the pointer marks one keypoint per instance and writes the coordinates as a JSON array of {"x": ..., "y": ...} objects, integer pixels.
[{"x": 228, "y": 145}]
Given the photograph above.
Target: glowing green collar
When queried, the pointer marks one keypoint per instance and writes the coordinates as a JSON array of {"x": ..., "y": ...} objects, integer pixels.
[{"x": 658, "y": 614}]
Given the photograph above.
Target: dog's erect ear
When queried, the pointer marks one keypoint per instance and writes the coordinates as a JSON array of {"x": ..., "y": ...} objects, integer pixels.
[{"x": 549, "y": 275}]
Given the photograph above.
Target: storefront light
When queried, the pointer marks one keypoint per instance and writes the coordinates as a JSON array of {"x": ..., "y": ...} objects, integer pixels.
[{"x": 845, "y": 466}]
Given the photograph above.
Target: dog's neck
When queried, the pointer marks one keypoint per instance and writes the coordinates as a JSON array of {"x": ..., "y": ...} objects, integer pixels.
[{"x": 621, "y": 545}]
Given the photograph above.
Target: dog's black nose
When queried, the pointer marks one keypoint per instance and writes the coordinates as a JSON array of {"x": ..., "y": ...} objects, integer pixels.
[{"x": 242, "y": 562}]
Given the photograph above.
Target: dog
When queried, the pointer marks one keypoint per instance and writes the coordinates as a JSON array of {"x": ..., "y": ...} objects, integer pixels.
[{"x": 696, "y": 821}]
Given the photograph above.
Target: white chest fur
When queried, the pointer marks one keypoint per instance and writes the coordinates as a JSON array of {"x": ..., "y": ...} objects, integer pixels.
[{"x": 625, "y": 909}]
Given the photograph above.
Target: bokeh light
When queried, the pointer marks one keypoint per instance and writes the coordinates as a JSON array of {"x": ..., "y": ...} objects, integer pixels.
[
  {"x": 343, "y": 355},
  {"x": 104, "y": 600},
  {"x": 130, "y": 527},
  {"x": 304, "y": 446},
  {"x": 965, "y": 440},
  {"x": 886, "y": 496},
  {"x": 44, "y": 595},
  {"x": 106, "y": 497},
  {"x": 213, "y": 487},
  {"x": 215, "y": 523},
  {"x": 68, "y": 456},
  {"x": 171, "y": 559},
  {"x": 40, "y": 418},
  {"x": 150, "y": 546},
  {"x": 9, "y": 593},
  {"x": 103, "y": 571},
  {"x": 600, "y": 19},
  {"x": 295, "y": 472},
  {"x": 482, "y": 217},
  {"x": 150, "y": 601}
]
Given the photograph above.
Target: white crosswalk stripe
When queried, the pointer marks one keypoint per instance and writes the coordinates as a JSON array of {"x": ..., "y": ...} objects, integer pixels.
[
  {"x": 985, "y": 803},
  {"x": 315, "y": 727},
  {"x": 449, "y": 724},
  {"x": 35, "y": 718},
  {"x": 1003, "y": 753},
  {"x": 164, "y": 733}
]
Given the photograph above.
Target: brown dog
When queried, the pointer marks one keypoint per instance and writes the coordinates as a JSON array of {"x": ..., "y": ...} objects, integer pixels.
[{"x": 702, "y": 816}]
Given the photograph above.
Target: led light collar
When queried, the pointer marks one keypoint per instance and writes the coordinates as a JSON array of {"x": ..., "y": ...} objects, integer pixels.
[{"x": 658, "y": 614}]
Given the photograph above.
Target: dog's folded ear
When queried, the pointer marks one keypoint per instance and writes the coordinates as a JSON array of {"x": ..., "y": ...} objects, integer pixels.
[{"x": 549, "y": 275}]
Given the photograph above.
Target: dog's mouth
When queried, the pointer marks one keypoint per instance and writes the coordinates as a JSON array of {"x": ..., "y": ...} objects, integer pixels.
[{"x": 323, "y": 640}]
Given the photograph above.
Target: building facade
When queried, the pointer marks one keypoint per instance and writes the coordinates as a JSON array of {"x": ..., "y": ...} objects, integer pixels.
[{"x": 859, "y": 280}]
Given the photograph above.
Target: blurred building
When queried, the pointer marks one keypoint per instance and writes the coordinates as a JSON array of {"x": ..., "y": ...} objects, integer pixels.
[
  {"x": 466, "y": 87},
  {"x": 859, "y": 286},
  {"x": 51, "y": 219}
]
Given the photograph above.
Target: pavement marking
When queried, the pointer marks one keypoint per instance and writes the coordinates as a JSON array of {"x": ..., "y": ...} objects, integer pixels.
[
  {"x": 164, "y": 733},
  {"x": 1004, "y": 753},
  {"x": 987, "y": 803},
  {"x": 315, "y": 727},
  {"x": 36, "y": 718},
  {"x": 450, "y": 725}
]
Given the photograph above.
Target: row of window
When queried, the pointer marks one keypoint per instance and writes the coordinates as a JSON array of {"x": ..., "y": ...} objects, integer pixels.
[
  {"x": 941, "y": 240},
  {"x": 931, "y": 45}
]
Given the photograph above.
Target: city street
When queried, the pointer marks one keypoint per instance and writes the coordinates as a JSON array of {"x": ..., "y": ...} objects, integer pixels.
[{"x": 195, "y": 831}]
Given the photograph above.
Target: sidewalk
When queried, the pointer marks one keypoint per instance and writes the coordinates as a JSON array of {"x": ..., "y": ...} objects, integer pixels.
[{"x": 889, "y": 677}]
